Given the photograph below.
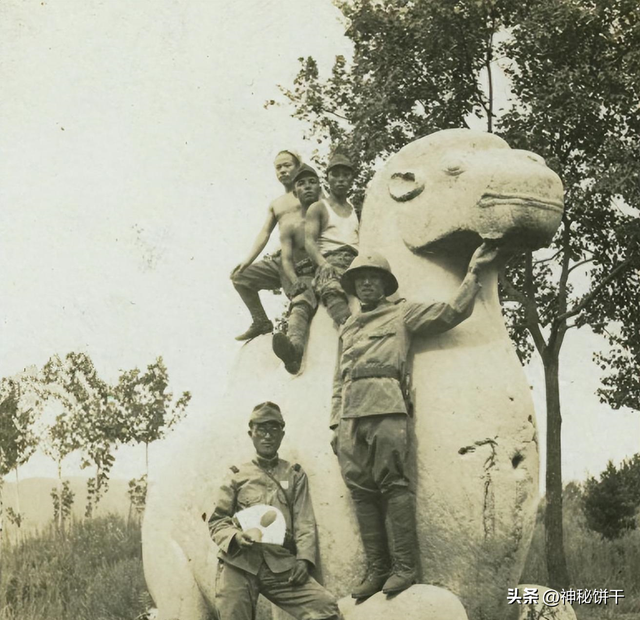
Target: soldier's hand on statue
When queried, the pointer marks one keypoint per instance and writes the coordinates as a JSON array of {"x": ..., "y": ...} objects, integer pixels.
[
  {"x": 244, "y": 540},
  {"x": 299, "y": 573},
  {"x": 484, "y": 256},
  {"x": 240, "y": 267}
]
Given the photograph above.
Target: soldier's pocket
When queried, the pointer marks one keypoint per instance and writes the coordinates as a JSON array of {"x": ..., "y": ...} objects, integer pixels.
[{"x": 249, "y": 497}]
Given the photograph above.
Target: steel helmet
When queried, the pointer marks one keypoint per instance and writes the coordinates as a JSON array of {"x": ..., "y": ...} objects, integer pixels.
[{"x": 370, "y": 260}]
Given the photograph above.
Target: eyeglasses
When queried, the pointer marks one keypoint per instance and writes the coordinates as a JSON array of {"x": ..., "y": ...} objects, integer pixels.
[{"x": 262, "y": 431}]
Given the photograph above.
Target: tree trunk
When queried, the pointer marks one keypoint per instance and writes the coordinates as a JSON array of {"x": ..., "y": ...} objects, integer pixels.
[
  {"x": 19, "y": 524},
  {"x": 60, "y": 520},
  {"x": 146, "y": 458},
  {"x": 1, "y": 517},
  {"x": 554, "y": 536}
]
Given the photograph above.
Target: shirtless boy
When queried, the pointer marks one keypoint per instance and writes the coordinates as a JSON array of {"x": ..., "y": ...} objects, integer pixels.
[
  {"x": 249, "y": 277},
  {"x": 298, "y": 272}
]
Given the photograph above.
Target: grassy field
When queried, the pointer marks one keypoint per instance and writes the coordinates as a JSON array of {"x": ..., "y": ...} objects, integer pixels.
[
  {"x": 594, "y": 563},
  {"x": 94, "y": 572}
]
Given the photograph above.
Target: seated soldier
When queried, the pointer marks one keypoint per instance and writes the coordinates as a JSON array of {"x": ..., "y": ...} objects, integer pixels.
[
  {"x": 248, "y": 567},
  {"x": 331, "y": 233},
  {"x": 248, "y": 277},
  {"x": 298, "y": 271}
]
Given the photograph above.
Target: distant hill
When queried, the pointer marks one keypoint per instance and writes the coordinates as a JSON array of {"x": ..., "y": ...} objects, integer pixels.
[{"x": 37, "y": 506}]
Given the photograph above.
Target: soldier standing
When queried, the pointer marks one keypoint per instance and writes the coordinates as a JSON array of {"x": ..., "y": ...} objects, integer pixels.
[
  {"x": 249, "y": 277},
  {"x": 369, "y": 413},
  {"x": 246, "y": 567}
]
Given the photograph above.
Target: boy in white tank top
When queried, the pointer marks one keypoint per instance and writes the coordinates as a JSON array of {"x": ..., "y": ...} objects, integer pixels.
[{"x": 331, "y": 237}]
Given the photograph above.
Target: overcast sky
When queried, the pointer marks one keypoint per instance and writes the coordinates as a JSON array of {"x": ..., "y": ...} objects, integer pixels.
[{"x": 135, "y": 171}]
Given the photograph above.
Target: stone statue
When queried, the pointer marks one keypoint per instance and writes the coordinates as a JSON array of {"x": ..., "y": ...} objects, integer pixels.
[{"x": 473, "y": 439}]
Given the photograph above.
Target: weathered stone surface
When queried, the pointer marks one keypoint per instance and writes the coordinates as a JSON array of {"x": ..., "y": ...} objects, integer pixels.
[
  {"x": 475, "y": 461},
  {"x": 420, "y": 602}
]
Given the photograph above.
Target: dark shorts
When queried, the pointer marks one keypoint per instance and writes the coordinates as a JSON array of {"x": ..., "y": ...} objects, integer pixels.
[
  {"x": 267, "y": 275},
  {"x": 327, "y": 283}
]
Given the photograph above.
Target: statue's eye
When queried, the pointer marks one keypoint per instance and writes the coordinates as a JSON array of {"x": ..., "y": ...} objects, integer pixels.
[
  {"x": 404, "y": 186},
  {"x": 453, "y": 166}
]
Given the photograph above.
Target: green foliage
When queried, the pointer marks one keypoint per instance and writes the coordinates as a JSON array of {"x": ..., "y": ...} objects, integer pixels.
[
  {"x": 19, "y": 409},
  {"x": 611, "y": 502},
  {"x": 574, "y": 71},
  {"x": 150, "y": 409},
  {"x": 90, "y": 420},
  {"x": 137, "y": 493},
  {"x": 62, "y": 503},
  {"x": 94, "y": 573},
  {"x": 15, "y": 518},
  {"x": 595, "y": 562}
]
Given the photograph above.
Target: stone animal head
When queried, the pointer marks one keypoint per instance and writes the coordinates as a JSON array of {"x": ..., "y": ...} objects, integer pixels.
[{"x": 454, "y": 186}]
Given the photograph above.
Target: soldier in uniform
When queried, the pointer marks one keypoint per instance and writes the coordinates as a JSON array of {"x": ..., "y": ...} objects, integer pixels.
[
  {"x": 332, "y": 237},
  {"x": 369, "y": 412},
  {"x": 247, "y": 567},
  {"x": 249, "y": 277},
  {"x": 298, "y": 271}
]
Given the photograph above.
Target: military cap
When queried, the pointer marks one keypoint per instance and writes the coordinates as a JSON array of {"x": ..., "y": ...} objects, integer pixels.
[
  {"x": 266, "y": 412},
  {"x": 372, "y": 260},
  {"x": 340, "y": 160},
  {"x": 305, "y": 171}
]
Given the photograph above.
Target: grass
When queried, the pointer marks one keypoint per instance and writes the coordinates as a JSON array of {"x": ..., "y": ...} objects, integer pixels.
[
  {"x": 594, "y": 563},
  {"x": 94, "y": 572}
]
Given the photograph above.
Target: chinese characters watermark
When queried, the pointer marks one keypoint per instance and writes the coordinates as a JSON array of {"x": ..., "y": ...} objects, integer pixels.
[{"x": 553, "y": 598}]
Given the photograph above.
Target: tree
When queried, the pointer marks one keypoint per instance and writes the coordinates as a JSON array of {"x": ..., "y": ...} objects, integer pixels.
[
  {"x": 149, "y": 408},
  {"x": 574, "y": 70},
  {"x": 609, "y": 507},
  {"x": 91, "y": 420},
  {"x": 20, "y": 406}
]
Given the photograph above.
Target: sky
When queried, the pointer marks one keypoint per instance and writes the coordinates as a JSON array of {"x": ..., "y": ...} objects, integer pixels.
[{"x": 135, "y": 171}]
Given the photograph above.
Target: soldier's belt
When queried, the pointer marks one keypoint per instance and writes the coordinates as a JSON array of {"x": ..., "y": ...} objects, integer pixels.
[
  {"x": 373, "y": 372},
  {"x": 344, "y": 249},
  {"x": 304, "y": 267}
]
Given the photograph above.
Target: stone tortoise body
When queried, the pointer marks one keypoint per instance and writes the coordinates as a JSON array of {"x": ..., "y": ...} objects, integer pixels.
[{"x": 475, "y": 459}]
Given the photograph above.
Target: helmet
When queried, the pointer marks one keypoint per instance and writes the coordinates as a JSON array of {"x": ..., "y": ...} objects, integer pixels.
[{"x": 371, "y": 260}]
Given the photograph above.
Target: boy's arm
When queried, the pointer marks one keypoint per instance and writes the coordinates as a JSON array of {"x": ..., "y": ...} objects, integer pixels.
[
  {"x": 260, "y": 241},
  {"x": 314, "y": 220},
  {"x": 286, "y": 244}
]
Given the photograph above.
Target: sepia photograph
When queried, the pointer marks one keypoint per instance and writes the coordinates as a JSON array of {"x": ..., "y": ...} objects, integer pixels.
[{"x": 320, "y": 309}]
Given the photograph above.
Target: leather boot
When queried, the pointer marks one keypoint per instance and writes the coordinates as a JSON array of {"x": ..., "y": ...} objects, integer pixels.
[
  {"x": 374, "y": 540},
  {"x": 403, "y": 541},
  {"x": 260, "y": 323},
  {"x": 289, "y": 347}
]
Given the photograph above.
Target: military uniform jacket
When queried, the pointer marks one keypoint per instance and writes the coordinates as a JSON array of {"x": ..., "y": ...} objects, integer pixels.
[
  {"x": 373, "y": 352},
  {"x": 249, "y": 485}
]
